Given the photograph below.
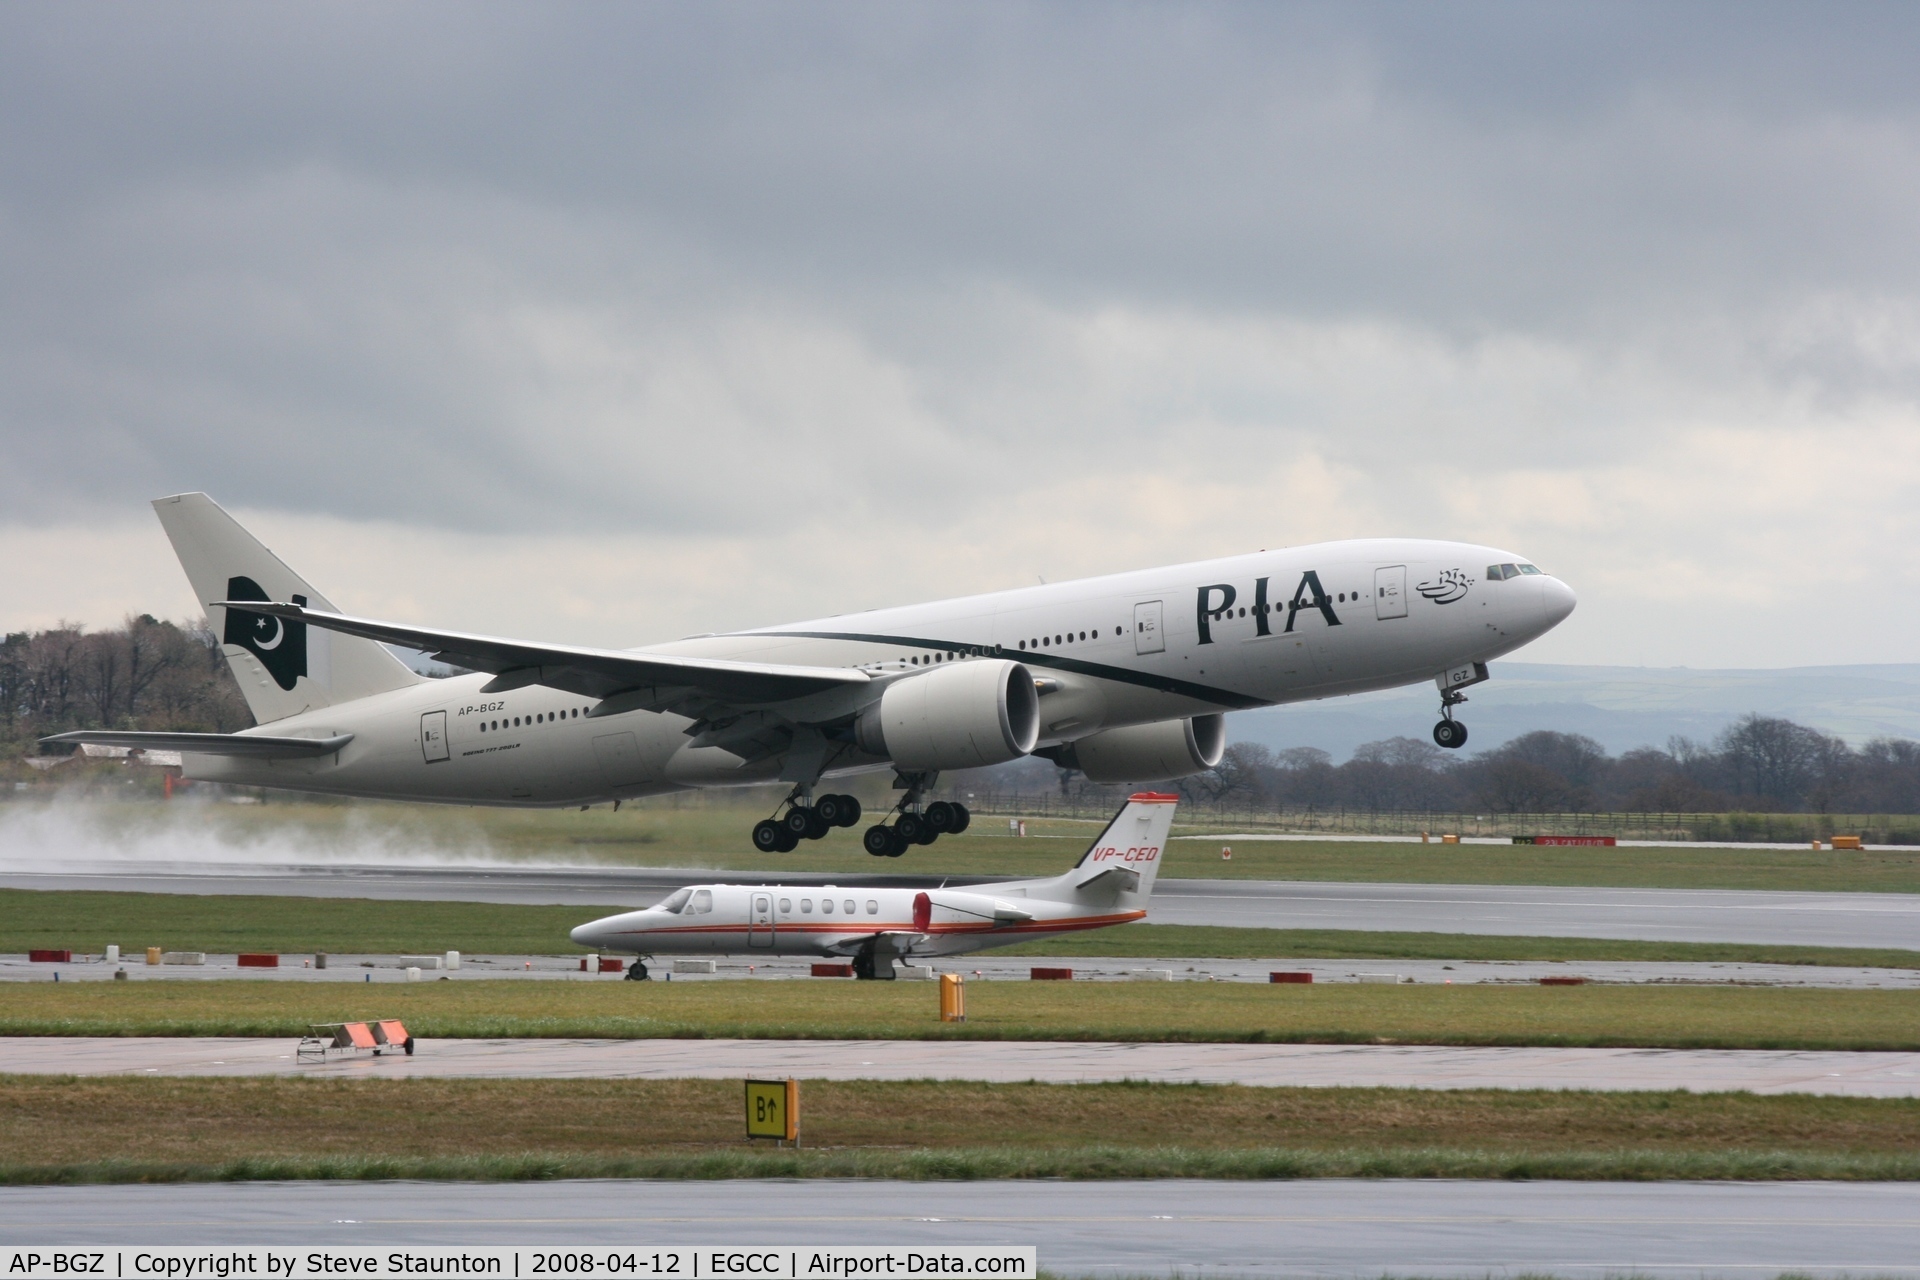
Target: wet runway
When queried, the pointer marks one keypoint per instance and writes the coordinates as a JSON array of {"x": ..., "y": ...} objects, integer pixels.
[
  {"x": 1673, "y": 915},
  {"x": 1860, "y": 1075},
  {"x": 1332, "y": 1228},
  {"x": 991, "y": 966}
]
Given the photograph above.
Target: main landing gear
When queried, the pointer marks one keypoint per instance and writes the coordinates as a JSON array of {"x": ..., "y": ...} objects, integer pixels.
[
  {"x": 637, "y": 971},
  {"x": 915, "y": 825},
  {"x": 804, "y": 821}
]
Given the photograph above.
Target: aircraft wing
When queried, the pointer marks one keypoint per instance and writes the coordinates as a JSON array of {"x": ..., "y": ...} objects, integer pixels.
[
  {"x": 258, "y": 746},
  {"x": 631, "y": 681}
]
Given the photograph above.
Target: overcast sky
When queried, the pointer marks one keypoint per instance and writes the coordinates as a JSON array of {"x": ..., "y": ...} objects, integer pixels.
[{"x": 611, "y": 323}]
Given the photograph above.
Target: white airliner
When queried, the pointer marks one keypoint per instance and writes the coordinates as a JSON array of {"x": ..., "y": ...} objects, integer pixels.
[
  {"x": 1125, "y": 678},
  {"x": 1109, "y": 885}
]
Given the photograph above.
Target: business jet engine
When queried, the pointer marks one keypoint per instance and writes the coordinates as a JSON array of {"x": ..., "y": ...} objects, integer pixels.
[
  {"x": 1147, "y": 752},
  {"x": 965, "y": 715}
]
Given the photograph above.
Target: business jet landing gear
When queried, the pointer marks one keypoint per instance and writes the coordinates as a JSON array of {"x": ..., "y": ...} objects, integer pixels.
[
  {"x": 1450, "y": 733},
  {"x": 870, "y": 963},
  {"x": 803, "y": 821},
  {"x": 914, "y": 824},
  {"x": 637, "y": 971}
]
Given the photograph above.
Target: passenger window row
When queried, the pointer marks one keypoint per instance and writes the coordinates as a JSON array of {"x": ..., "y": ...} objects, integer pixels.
[
  {"x": 1068, "y": 637},
  {"x": 848, "y": 907},
  {"x": 545, "y": 717}
]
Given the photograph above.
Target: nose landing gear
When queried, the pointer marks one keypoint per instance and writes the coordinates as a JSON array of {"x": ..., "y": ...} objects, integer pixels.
[{"x": 1450, "y": 733}]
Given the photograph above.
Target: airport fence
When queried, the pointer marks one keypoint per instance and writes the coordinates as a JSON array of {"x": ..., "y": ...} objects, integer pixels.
[{"x": 1230, "y": 814}]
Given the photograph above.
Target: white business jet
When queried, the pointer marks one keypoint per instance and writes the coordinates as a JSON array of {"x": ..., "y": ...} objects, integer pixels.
[
  {"x": 1109, "y": 885},
  {"x": 1125, "y": 678}
]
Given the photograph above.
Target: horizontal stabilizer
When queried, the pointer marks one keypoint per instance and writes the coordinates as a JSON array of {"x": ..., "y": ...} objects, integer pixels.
[
  {"x": 254, "y": 746},
  {"x": 662, "y": 680},
  {"x": 1112, "y": 880}
]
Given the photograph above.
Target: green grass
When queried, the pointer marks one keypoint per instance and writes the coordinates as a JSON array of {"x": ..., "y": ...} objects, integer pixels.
[
  {"x": 1182, "y": 941},
  {"x": 54, "y": 1129},
  {"x": 673, "y": 832},
  {"x": 86, "y": 921},
  {"x": 1633, "y": 1016}
]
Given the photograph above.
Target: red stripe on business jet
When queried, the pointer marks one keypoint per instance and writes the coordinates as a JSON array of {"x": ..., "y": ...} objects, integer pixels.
[{"x": 1063, "y": 925}]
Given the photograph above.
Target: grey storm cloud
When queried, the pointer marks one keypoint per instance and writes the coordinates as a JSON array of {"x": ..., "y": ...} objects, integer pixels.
[{"x": 692, "y": 266}]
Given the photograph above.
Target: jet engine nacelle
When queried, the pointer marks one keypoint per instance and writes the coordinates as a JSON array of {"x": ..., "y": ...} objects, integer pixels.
[
  {"x": 966, "y": 715},
  {"x": 953, "y": 910},
  {"x": 1148, "y": 752}
]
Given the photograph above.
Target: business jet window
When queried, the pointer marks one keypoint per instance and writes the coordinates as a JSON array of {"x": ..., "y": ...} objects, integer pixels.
[
  {"x": 1527, "y": 568},
  {"x": 873, "y": 908},
  {"x": 786, "y": 906},
  {"x": 677, "y": 901},
  {"x": 702, "y": 902},
  {"x": 848, "y": 904},
  {"x": 806, "y": 906},
  {"x": 826, "y": 906}
]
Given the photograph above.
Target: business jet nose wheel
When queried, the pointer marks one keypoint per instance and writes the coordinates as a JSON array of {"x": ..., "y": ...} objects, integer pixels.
[{"x": 1450, "y": 734}]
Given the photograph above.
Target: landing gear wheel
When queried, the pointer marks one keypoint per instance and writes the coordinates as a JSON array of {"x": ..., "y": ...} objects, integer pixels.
[
  {"x": 940, "y": 816},
  {"x": 770, "y": 837},
  {"x": 910, "y": 827},
  {"x": 881, "y": 841},
  {"x": 1450, "y": 734},
  {"x": 965, "y": 819},
  {"x": 927, "y": 835},
  {"x": 838, "y": 811},
  {"x": 863, "y": 963},
  {"x": 799, "y": 822},
  {"x": 899, "y": 846},
  {"x": 636, "y": 972}
]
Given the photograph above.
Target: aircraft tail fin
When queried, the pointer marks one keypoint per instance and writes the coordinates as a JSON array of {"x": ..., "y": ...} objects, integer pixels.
[
  {"x": 283, "y": 668},
  {"x": 1123, "y": 860}
]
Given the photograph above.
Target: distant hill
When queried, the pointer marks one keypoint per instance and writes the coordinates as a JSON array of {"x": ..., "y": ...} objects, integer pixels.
[{"x": 1621, "y": 707}]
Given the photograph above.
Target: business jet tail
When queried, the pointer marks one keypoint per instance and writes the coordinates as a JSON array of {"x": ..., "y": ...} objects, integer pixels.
[
  {"x": 1119, "y": 867},
  {"x": 283, "y": 667}
]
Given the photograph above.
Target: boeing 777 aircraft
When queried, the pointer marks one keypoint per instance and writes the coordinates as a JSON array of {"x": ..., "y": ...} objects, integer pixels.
[
  {"x": 1109, "y": 885},
  {"x": 1125, "y": 678}
]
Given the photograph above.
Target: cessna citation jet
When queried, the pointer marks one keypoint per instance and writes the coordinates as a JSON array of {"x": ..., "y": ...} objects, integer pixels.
[
  {"x": 1109, "y": 885},
  {"x": 1125, "y": 678}
]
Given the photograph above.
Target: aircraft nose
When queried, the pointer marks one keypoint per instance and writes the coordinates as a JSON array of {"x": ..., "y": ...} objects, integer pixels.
[
  {"x": 1556, "y": 601},
  {"x": 586, "y": 935}
]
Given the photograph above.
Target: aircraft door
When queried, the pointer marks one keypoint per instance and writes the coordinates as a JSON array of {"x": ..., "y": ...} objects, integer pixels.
[
  {"x": 1147, "y": 634},
  {"x": 760, "y": 921},
  {"x": 433, "y": 736},
  {"x": 1390, "y": 591}
]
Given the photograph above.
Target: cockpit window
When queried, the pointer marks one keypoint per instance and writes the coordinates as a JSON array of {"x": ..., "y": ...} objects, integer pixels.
[
  {"x": 702, "y": 902},
  {"x": 1527, "y": 568},
  {"x": 1499, "y": 572},
  {"x": 677, "y": 901}
]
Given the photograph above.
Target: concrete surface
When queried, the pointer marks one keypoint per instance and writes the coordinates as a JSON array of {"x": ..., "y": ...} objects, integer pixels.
[
  {"x": 1331, "y": 1228},
  {"x": 1864, "y": 1075},
  {"x": 990, "y": 966},
  {"x": 1677, "y": 915}
]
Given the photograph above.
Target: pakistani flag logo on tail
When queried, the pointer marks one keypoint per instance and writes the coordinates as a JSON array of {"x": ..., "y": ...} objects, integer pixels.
[{"x": 281, "y": 646}]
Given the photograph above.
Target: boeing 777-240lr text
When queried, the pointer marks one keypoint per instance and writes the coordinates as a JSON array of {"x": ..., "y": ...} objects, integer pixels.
[
  {"x": 1109, "y": 885},
  {"x": 1125, "y": 678}
]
